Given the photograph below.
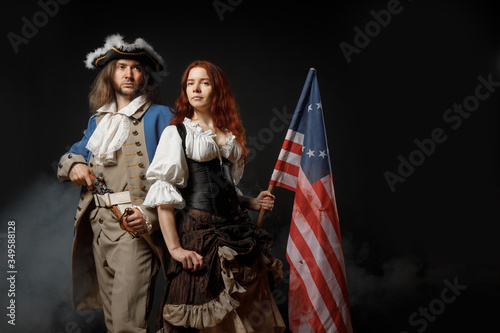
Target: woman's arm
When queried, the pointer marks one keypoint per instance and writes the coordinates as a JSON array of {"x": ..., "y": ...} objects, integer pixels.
[
  {"x": 265, "y": 200},
  {"x": 189, "y": 259}
]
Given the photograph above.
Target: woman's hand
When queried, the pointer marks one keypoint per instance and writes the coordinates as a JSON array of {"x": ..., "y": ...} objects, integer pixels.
[
  {"x": 189, "y": 259},
  {"x": 265, "y": 201}
]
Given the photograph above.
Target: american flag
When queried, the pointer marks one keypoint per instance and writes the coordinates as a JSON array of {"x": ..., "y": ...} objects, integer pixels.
[{"x": 318, "y": 300}]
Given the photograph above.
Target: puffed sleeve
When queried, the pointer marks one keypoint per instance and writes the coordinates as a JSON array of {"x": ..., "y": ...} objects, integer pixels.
[
  {"x": 167, "y": 171},
  {"x": 237, "y": 172},
  {"x": 232, "y": 151}
]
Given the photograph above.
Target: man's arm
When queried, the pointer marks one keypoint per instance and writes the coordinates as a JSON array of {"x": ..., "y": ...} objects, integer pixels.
[
  {"x": 80, "y": 173},
  {"x": 152, "y": 217},
  {"x": 78, "y": 153}
]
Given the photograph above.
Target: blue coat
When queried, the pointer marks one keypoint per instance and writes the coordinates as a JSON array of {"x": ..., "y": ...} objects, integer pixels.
[
  {"x": 156, "y": 119},
  {"x": 147, "y": 125}
]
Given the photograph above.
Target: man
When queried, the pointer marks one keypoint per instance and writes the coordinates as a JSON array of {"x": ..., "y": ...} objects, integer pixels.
[{"x": 111, "y": 268}]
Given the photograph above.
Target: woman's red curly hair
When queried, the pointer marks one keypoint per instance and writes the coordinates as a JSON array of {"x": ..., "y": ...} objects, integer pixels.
[{"x": 224, "y": 110}]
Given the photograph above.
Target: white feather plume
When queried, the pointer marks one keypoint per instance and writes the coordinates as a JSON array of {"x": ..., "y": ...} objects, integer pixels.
[{"x": 118, "y": 42}]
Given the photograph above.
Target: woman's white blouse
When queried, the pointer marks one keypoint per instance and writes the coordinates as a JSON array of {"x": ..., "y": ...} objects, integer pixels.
[{"x": 169, "y": 169}]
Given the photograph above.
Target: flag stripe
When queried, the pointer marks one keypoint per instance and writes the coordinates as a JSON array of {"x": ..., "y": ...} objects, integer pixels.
[
  {"x": 320, "y": 309},
  {"x": 330, "y": 225},
  {"x": 292, "y": 147},
  {"x": 288, "y": 164},
  {"x": 302, "y": 317},
  {"x": 322, "y": 300},
  {"x": 284, "y": 180},
  {"x": 290, "y": 157},
  {"x": 320, "y": 222},
  {"x": 318, "y": 295},
  {"x": 320, "y": 283},
  {"x": 330, "y": 208},
  {"x": 328, "y": 184},
  {"x": 287, "y": 168},
  {"x": 292, "y": 135},
  {"x": 323, "y": 250},
  {"x": 312, "y": 227}
]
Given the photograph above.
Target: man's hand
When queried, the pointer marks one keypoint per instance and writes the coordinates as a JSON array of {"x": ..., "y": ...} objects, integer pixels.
[
  {"x": 135, "y": 221},
  {"x": 79, "y": 174}
]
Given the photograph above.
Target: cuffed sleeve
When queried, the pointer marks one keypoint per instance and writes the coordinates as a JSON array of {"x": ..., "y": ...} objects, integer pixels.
[
  {"x": 162, "y": 192},
  {"x": 77, "y": 153},
  {"x": 152, "y": 216},
  {"x": 66, "y": 163}
]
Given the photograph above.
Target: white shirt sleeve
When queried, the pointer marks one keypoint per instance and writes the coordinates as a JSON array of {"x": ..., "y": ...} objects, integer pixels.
[
  {"x": 237, "y": 172},
  {"x": 167, "y": 171}
]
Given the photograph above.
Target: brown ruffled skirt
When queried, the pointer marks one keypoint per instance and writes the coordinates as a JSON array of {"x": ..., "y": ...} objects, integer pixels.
[{"x": 231, "y": 292}]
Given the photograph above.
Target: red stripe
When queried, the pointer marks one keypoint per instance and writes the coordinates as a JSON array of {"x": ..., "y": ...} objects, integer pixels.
[
  {"x": 291, "y": 169},
  {"x": 277, "y": 183},
  {"x": 292, "y": 146},
  {"x": 310, "y": 217},
  {"x": 319, "y": 280},
  {"x": 329, "y": 205},
  {"x": 296, "y": 301}
]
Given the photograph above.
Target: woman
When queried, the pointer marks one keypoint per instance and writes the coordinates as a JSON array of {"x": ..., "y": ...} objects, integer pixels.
[{"x": 218, "y": 278}]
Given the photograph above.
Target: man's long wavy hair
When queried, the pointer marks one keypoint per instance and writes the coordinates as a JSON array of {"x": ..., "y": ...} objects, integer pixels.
[
  {"x": 102, "y": 91},
  {"x": 224, "y": 110}
]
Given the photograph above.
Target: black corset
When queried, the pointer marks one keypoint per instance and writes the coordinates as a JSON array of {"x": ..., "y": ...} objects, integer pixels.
[{"x": 210, "y": 188}]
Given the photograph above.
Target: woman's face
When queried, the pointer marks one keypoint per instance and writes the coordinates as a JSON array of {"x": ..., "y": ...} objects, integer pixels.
[{"x": 199, "y": 90}]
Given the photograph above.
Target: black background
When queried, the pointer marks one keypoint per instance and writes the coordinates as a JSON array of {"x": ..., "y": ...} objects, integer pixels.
[{"x": 399, "y": 246}]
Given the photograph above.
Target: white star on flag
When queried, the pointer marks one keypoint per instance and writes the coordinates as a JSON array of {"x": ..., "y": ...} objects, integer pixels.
[
  {"x": 310, "y": 153},
  {"x": 322, "y": 153},
  {"x": 319, "y": 106}
]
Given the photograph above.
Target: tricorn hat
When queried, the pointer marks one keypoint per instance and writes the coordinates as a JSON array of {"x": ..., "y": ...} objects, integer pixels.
[{"x": 116, "y": 48}]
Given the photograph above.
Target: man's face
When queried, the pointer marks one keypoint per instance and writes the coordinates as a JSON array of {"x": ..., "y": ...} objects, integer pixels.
[{"x": 127, "y": 77}]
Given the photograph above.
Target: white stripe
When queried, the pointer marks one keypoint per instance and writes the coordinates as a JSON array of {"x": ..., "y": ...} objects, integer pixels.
[
  {"x": 294, "y": 136},
  {"x": 328, "y": 185},
  {"x": 320, "y": 257},
  {"x": 284, "y": 178},
  {"x": 311, "y": 289},
  {"x": 289, "y": 157},
  {"x": 326, "y": 223}
]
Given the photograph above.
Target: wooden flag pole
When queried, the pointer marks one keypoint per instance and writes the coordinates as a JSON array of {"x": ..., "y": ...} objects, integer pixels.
[{"x": 262, "y": 211}]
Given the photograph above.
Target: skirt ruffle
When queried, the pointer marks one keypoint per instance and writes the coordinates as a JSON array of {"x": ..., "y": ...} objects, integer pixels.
[{"x": 235, "y": 277}]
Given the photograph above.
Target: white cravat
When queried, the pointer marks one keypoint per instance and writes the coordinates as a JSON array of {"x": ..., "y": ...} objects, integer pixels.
[{"x": 112, "y": 131}]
